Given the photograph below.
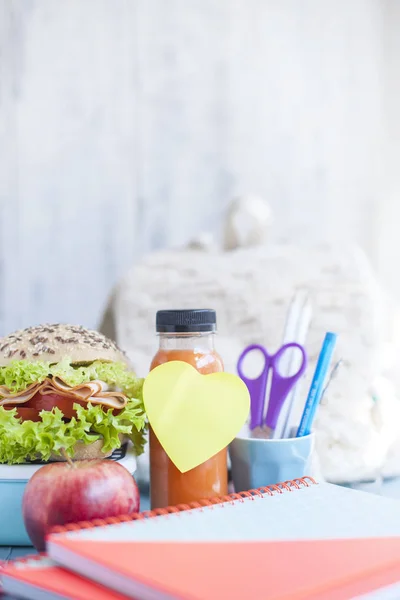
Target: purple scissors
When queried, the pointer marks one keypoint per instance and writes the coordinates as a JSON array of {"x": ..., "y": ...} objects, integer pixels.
[{"x": 280, "y": 386}]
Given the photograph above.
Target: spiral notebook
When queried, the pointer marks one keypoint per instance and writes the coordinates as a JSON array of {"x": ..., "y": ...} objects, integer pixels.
[{"x": 351, "y": 538}]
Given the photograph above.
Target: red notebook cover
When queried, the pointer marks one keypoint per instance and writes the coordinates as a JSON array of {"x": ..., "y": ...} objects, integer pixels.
[
  {"x": 28, "y": 577},
  {"x": 319, "y": 569},
  {"x": 178, "y": 564}
]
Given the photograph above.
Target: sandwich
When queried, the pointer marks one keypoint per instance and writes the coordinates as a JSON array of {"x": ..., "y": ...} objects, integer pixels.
[{"x": 66, "y": 391}]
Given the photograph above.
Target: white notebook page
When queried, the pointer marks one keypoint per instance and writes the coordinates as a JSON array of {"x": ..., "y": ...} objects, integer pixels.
[{"x": 322, "y": 511}]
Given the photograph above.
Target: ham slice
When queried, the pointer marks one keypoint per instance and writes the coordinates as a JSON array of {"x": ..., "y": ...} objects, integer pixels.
[
  {"x": 95, "y": 392},
  {"x": 7, "y": 397}
]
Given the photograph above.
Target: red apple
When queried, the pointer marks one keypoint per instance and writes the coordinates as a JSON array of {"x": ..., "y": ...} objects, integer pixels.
[{"x": 61, "y": 493}]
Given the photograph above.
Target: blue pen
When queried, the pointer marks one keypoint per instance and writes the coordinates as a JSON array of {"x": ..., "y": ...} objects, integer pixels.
[{"x": 317, "y": 385}]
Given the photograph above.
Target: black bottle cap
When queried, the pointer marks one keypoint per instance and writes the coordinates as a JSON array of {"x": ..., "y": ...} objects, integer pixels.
[{"x": 186, "y": 321}]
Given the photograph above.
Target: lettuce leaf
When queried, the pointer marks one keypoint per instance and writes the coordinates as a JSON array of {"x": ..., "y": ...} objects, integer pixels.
[
  {"x": 116, "y": 374},
  {"x": 19, "y": 374},
  {"x": 110, "y": 426},
  {"x": 21, "y": 441}
]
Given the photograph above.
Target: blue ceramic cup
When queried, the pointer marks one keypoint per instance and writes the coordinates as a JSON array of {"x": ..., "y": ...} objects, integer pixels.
[{"x": 259, "y": 462}]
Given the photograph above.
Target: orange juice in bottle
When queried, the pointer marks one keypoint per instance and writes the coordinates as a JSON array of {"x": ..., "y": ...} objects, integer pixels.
[{"x": 186, "y": 335}]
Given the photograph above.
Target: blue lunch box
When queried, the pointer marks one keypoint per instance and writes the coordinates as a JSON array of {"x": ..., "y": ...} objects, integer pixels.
[{"x": 13, "y": 480}]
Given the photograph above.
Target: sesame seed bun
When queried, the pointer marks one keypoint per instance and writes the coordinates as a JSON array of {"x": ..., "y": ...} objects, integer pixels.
[{"x": 52, "y": 343}]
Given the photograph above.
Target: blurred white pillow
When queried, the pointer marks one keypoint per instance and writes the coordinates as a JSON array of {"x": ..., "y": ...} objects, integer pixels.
[{"x": 250, "y": 287}]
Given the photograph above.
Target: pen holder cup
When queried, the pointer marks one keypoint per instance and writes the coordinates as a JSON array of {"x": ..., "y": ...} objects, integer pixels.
[{"x": 259, "y": 462}]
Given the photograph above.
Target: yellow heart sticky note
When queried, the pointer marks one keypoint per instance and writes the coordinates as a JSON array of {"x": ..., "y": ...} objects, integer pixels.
[{"x": 194, "y": 416}]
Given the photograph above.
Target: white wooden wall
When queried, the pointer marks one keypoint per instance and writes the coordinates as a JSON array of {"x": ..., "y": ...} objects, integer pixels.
[{"x": 127, "y": 125}]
